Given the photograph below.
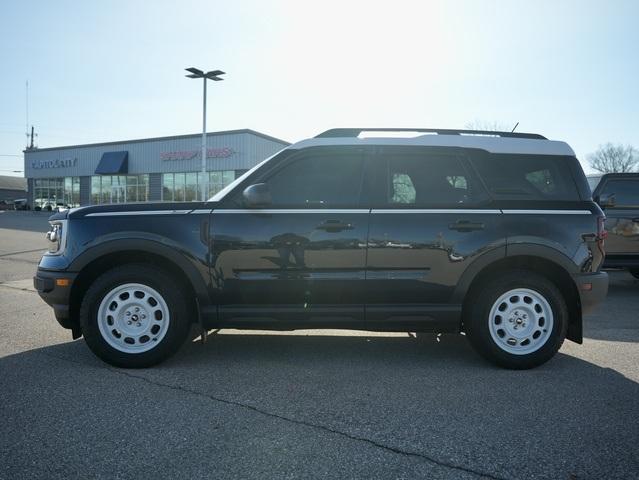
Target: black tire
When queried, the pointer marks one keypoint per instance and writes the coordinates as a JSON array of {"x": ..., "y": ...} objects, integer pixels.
[
  {"x": 176, "y": 333},
  {"x": 635, "y": 272},
  {"x": 477, "y": 313}
]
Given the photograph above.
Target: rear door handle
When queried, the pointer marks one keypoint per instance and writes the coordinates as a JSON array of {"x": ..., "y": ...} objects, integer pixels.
[
  {"x": 334, "y": 226},
  {"x": 636, "y": 220},
  {"x": 466, "y": 226}
]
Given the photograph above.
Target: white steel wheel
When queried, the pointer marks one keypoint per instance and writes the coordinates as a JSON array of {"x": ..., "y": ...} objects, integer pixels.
[
  {"x": 133, "y": 318},
  {"x": 521, "y": 321}
]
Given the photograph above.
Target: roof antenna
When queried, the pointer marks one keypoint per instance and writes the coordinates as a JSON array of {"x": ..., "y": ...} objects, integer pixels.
[{"x": 516, "y": 125}]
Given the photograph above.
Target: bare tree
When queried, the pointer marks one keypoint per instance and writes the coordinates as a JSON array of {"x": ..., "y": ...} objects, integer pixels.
[
  {"x": 610, "y": 158},
  {"x": 488, "y": 126}
]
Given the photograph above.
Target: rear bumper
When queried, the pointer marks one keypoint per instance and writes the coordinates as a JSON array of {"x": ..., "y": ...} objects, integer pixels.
[
  {"x": 56, "y": 294},
  {"x": 593, "y": 288}
]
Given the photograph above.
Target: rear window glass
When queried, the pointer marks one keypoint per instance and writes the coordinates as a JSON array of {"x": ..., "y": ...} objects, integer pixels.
[
  {"x": 527, "y": 177},
  {"x": 626, "y": 192}
]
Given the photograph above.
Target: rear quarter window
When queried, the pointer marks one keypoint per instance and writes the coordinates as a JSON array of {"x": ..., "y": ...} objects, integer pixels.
[{"x": 526, "y": 177}]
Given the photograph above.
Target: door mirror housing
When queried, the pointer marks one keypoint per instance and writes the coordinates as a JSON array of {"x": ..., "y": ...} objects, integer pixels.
[
  {"x": 258, "y": 195},
  {"x": 606, "y": 200}
]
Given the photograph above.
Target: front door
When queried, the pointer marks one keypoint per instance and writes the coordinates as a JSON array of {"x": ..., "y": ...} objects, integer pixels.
[
  {"x": 301, "y": 260},
  {"x": 427, "y": 224}
]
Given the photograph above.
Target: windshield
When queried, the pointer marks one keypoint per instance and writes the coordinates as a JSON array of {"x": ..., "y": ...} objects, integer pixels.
[{"x": 222, "y": 193}]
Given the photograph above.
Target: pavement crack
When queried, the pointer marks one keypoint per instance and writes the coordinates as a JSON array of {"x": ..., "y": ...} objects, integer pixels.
[
  {"x": 25, "y": 251},
  {"x": 14, "y": 287},
  {"x": 305, "y": 423}
]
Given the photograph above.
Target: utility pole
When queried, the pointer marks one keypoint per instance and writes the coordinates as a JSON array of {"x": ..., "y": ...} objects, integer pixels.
[
  {"x": 26, "y": 130},
  {"x": 215, "y": 76}
]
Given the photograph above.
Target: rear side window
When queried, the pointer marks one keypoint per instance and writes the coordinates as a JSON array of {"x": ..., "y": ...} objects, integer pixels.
[
  {"x": 527, "y": 177},
  {"x": 626, "y": 192},
  {"x": 427, "y": 180}
]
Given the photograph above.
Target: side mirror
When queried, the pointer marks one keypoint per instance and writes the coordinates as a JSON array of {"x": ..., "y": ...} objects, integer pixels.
[
  {"x": 606, "y": 200},
  {"x": 258, "y": 195}
]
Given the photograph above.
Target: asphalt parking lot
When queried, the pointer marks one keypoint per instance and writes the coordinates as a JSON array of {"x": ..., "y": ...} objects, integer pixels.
[{"x": 309, "y": 404}]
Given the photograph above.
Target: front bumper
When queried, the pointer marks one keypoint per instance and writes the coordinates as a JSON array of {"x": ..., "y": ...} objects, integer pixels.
[
  {"x": 593, "y": 288},
  {"x": 55, "y": 289}
]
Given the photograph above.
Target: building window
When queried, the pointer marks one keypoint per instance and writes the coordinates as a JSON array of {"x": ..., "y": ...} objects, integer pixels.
[
  {"x": 49, "y": 193},
  {"x": 119, "y": 189},
  {"x": 185, "y": 187}
]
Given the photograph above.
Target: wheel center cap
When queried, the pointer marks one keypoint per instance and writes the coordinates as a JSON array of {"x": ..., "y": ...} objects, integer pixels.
[{"x": 134, "y": 317}]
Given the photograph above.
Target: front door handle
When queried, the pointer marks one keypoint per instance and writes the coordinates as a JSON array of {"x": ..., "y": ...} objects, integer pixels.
[
  {"x": 466, "y": 226},
  {"x": 334, "y": 226}
]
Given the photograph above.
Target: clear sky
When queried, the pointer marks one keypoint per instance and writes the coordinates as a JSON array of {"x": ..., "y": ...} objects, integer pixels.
[{"x": 113, "y": 70}]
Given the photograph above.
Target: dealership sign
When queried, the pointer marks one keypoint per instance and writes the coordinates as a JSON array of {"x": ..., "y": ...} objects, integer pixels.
[
  {"x": 57, "y": 163},
  {"x": 224, "y": 152}
]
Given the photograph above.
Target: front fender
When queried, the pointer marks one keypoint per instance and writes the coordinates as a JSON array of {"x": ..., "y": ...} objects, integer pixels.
[{"x": 194, "y": 269}]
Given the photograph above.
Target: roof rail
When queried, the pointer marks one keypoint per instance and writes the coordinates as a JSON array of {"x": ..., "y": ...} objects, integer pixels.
[{"x": 355, "y": 132}]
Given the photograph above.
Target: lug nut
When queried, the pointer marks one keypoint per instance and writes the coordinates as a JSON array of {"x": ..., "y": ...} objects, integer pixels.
[
  {"x": 129, "y": 322},
  {"x": 138, "y": 324}
]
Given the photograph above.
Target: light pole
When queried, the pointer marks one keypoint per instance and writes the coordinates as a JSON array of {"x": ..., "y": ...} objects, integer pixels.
[{"x": 215, "y": 76}]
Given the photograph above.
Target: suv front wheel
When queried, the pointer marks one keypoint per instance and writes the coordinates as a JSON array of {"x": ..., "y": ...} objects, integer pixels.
[
  {"x": 133, "y": 316},
  {"x": 518, "y": 320}
]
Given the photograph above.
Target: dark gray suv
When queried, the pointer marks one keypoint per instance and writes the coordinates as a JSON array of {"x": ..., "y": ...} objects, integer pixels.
[
  {"x": 618, "y": 196},
  {"x": 494, "y": 235}
]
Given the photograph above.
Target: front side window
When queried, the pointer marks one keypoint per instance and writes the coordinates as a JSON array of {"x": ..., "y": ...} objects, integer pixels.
[
  {"x": 626, "y": 192},
  {"x": 318, "y": 180},
  {"x": 426, "y": 180}
]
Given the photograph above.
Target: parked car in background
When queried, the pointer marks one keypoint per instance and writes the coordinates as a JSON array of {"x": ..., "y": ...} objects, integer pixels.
[
  {"x": 493, "y": 234},
  {"x": 21, "y": 204},
  {"x": 618, "y": 195}
]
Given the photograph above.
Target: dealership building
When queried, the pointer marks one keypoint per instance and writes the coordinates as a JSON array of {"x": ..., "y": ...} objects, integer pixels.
[{"x": 145, "y": 170}]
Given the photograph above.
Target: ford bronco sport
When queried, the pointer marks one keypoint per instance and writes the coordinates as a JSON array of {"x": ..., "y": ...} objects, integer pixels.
[{"x": 494, "y": 235}]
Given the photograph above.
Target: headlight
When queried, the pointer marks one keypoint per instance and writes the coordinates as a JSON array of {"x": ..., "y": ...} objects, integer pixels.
[{"x": 56, "y": 237}]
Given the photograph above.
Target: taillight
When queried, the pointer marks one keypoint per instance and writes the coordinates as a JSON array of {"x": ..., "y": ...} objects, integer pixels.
[
  {"x": 601, "y": 228},
  {"x": 601, "y": 234}
]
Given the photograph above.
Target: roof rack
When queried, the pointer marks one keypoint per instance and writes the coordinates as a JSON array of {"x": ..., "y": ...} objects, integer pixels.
[{"x": 355, "y": 132}]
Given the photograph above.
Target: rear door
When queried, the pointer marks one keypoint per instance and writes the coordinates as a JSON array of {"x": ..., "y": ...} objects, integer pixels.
[
  {"x": 622, "y": 220},
  {"x": 430, "y": 219}
]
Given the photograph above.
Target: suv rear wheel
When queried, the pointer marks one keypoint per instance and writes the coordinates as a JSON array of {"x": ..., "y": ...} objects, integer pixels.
[
  {"x": 133, "y": 317},
  {"x": 518, "y": 320}
]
